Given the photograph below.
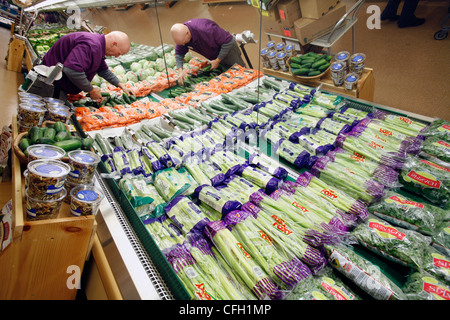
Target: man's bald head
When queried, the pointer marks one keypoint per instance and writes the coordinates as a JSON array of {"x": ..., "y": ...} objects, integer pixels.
[
  {"x": 180, "y": 34},
  {"x": 117, "y": 43}
]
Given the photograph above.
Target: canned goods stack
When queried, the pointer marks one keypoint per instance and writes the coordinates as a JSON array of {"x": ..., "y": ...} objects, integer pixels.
[
  {"x": 346, "y": 70},
  {"x": 31, "y": 111},
  {"x": 275, "y": 56}
]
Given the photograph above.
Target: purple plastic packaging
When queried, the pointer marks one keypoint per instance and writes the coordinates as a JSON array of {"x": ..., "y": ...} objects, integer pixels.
[
  {"x": 156, "y": 164},
  {"x": 198, "y": 227},
  {"x": 211, "y": 197},
  {"x": 276, "y": 171}
]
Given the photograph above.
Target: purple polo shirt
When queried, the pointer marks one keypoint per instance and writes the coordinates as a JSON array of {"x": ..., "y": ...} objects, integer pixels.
[
  {"x": 207, "y": 38},
  {"x": 80, "y": 51}
]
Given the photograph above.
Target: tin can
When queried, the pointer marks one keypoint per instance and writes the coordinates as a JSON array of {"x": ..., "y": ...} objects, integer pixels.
[
  {"x": 271, "y": 46},
  {"x": 357, "y": 63},
  {"x": 265, "y": 58},
  {"x": 273, "y": 60},
  {"x": 338, "y": 73},
  {"x": 351, "y": 80},
  {"x": 343, "y": 57},
  {"x": 289, "y": 51},
  {"x": 281, "y": 59},
  {"x": 280, "y": 47}
]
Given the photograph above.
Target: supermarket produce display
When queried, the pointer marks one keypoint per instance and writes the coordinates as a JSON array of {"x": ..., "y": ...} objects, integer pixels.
[{"x": 242, "y": 186}]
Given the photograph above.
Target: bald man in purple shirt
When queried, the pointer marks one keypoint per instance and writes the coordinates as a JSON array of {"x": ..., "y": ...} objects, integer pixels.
[
  {"x": 205, "y": 37},
  {"x": 83, "y": 56}
]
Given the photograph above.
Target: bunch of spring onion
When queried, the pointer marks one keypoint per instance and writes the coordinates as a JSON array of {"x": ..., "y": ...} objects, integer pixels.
[
  {"x": 380, "y": 131},
  {"x": 198, "y": 284},
  {"x": 239, "y": 260},
  {"x": 294, "y": 153},
  {"x": 286, "y": 234},
  {"x": 313, "y": 110},
  {"x": 186, "y": 215},
  {"x": 219, "y": 201},
  {"x": 268, "y": 164},
  {"x": 282, "y": 266},
  {"x": 227, "y": 161},
  {"x": 352, "y": 112},
  {"x": 371, "y": 149},
  {"x": 333, "y": 126},
  {"x": 201, "y": 250},
  {"x": 337, "y": 197},
  {"x": 363, "y": 167},
  {"x": 303, "y": 120},
  {"x": 238, "y": 188},
  {"x": 327, "y": 100},
  {"x": 336, "y": 220},
  {"x": 342, "y": 177},
  {"x": 170, "y": 183},
  {"x": 402, "y": 124},
  {"x": 160, "y": 153},
  {"x": 172, "y": 228},
  {"x": 144, "y": 197},
  {"x": 163, "y": 239},
  {"x": 259, "y": 177}
]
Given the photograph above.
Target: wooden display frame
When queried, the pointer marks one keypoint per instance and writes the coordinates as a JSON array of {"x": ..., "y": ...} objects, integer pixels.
[
  {"x": 364, "y": 90},
  {"x": 46, "y": 257}
]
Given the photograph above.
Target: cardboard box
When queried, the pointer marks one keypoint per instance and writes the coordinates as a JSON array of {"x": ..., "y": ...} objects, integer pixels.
[
  {"x": 307, "y": 29},
  {"x": 289, "y": 11},
  {"x": 315, "y": 9},
  {"x": 289, "y": 32}
]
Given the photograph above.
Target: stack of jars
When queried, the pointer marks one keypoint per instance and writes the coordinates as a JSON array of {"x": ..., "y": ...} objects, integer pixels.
[
  {"x": 49, "y": 182},
  {"x": 275, "y": 56},
  {"x": 31, "y": 111},
  {"x": 347, "y": 69},
  {"x": 57, "y": 110}
]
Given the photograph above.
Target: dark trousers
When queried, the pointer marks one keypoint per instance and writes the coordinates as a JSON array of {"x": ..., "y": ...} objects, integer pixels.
[{"x": 407, "y": 13}]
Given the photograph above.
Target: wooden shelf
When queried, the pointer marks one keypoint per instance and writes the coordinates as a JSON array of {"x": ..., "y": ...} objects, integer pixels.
[
  {"x": 364, "y": 90},
  {"x": 35, "y": 266}
]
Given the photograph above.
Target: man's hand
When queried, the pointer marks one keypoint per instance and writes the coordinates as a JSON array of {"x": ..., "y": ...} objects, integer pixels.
[
  {"x": 214, "y": 63},
  {"x": 181, "y": 75},
  {"x": 96, "y": 94},
  {"x": 126, "y": 90}
]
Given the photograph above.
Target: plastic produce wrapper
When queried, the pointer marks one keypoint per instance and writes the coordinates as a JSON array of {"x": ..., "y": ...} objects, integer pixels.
[
  {"x": 343, "y": 177},
  {"x": 122, "y": 161},
  {"x": 163, "y": 239},
  {"x": 333, "y": 126},
  {"x": 441, "y": 240},
  {"x": 328, "y": 100},
  {"x": 143, "y": 196},
  {"x": 422, "y": 286},
  {"x": 269, "y": 165},
  {"x": 427, "y": 179},
  {"x": 439, "y": 128},
  {"x": 186, "y": 215},
  {"x": 160, "y": 153},
  {"x": 215, "y": 199},
  {"x": 382, "y": 132},
  {"x": 201, "y": 250},
  {"x": 260, "y": 178},
  {"x": 324, "y": 286},
  {"x": 363, "y": 166},
  {"x": 294, "y": 154},
  {"x": 170, "y": 183},
  {"x": 371, "y": 149},
  {"x": 238, "y": 188},
  {"x": 198, "y": 284},
  {"x": 299, "y": 240},
  {"x": 338, "y": 198},
  {"x": 402, "y": 246},
  {"x": 359, "y": 114},
  {"x": 408, "y": 213},
  {"x": 403, "y": 124},
  {"x": 437, "y": 147},
  {"x": 337, "y": 220},
  {"x": 436, "y": 263},
  {"x": 286, "y": 270},
  {"x": 6, "y": 224},
  {"x": 363, "y": 273},
  {"x": 150, "y": 159},
  {"x": 241, "y": 262},
  {"x": 227, "y": 161}
]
